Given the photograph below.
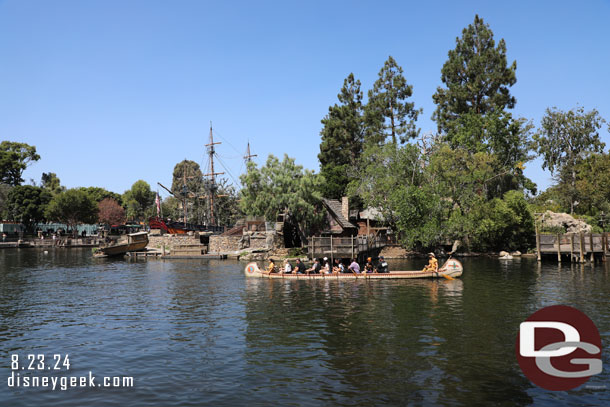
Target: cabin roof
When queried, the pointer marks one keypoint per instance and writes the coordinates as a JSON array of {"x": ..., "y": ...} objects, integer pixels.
[{"x": 334, "y": 207}]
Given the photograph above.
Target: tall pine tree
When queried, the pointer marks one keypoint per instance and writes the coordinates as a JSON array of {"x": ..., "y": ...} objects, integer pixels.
[
  {"x": 477, "y": 77},
  {"x": 471, "y": 111},
  {"x": 342, "y": 139},
  {"x": 388, "y": 113}
]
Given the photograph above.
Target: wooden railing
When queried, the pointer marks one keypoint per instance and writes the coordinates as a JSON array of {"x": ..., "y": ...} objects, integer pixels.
[
  {"x": 351, "y": 246},
  {"x": 577, "y": 245}
]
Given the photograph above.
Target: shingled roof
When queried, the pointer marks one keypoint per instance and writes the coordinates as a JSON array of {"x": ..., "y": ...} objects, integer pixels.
[{"x": 334, "y": 207}]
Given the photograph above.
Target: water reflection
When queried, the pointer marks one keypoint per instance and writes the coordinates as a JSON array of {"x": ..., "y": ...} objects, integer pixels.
[{"x": 199, "y": 332}]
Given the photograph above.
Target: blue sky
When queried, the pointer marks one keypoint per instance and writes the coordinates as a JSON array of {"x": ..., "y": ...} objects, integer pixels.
[{"x": 115, "y": 91}]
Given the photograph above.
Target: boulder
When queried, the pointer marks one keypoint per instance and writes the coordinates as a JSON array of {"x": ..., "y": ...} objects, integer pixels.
[
  {"x": 503, "y": 254},
  {"x": 551, "y": 219}
]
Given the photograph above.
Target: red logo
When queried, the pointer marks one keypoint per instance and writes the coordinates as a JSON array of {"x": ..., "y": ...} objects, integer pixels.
[{"x": 559, "y": 348}]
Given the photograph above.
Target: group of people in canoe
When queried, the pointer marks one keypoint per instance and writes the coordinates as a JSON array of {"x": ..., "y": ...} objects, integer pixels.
[{"x": 323, "y": 266}]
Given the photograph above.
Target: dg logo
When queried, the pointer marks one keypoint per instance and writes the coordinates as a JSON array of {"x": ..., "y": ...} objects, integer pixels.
[{"x": 559, "y": 348}]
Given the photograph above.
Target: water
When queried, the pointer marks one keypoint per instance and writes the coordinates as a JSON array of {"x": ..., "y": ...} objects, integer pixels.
[{"x": 196, "y": 332}]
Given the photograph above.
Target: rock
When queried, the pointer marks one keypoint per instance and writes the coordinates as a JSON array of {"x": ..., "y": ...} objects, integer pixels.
[
  {"x": 563, "y": 220},
  {"x": 516, "y": 253},
  {"x": 503, "y": 254}
]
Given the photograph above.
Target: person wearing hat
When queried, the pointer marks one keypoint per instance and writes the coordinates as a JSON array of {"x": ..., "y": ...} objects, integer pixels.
[
  {"x": 368, "y": 268},
  {"x": 432, "y": 264},
  {"x": 326, "y": 266},
  {"x": 383, "y": 266}
]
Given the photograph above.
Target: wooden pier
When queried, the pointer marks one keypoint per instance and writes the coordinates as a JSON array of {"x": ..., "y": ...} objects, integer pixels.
[
  {"x": 578, "y": 246},
  {"x": 345, "y": 247}
]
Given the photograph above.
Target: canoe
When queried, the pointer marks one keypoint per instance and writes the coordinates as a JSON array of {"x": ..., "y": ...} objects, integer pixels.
[
  {"x": 452, "y": 268},
  {"x": 134, "y": 242}
]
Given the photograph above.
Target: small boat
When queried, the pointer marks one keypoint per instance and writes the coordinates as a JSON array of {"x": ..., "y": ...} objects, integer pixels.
[
  {"x": 132, "y": 243},
  {"x": 451, "y": 269}
]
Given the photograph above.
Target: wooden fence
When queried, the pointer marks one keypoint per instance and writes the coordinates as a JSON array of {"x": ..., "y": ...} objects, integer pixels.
[{"x": 344, "y": 246}]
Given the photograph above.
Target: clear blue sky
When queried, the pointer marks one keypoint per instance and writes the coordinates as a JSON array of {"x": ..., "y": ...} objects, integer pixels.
[{"x": 115, "y": 91}]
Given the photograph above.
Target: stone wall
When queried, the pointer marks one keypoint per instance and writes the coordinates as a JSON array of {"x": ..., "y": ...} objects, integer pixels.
[
  {"x": 169, "y": 241},
  {"x": 223, "y": 244}
]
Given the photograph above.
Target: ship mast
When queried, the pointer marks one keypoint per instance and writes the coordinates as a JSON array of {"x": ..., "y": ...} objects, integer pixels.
[
  {"x": 212, "y": 174},
  {"x": 248, "y": 156}
]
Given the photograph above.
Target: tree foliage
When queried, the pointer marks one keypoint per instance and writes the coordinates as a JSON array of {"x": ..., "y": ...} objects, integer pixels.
[
  {"x": 72, "y": 207},
  {"x": 27, "y": 204},
  {"x": 14, "y": 159},
  {"x": 139, "y": 200},
  {"x": 342, "y": 139},
  {"x": 388, "y": 113},
  {"x": 477, "y": 79},
  {"x": 282, "y": 187},
  {"x": 51, "y": 183},
  {"x": 564, "y": 140},
  {"x": 190, "y": 172},
  {"x": 110, "y": 212},
  {"x": 98, "y": 194}
]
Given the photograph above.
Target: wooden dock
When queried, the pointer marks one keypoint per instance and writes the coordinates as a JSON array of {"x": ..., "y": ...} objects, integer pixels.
[
  {"x": 578, "y": 246},
  {"x": 344, "y": 247}
]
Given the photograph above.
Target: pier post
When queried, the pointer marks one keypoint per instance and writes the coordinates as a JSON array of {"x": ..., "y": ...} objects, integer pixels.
[
  {"x": 582, "y": 247},
  {"x": 592, "y": 248},
  {"x": 571, "y": 247},
  {"x": 332, "y": 259},
  {"x": 558, "y": 248},
  {"x": 538, "y": 257},
  {"x": 352, "y": 246}
]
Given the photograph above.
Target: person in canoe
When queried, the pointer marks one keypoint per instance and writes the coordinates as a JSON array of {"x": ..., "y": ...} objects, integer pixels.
[
  {"x": 382, "y": 267},
  {"x": 432, "y": 264},
  {"x": 271, "y": 266},
  {"x": 287, "y": 267},
  {"x": 315, "y": 268},
  {"x": 299, "y": 267},
  {"x": 339, "y": 267},
  {"x": 326, "y": 266},
  {"x": 368, "y": 268},
  {"x": 354, "y": 267}
]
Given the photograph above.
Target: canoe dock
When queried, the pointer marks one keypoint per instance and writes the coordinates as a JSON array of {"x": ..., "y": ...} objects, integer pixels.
[
  {"x": 351, "y": 247},
  {"x": 576, "y": 246}
]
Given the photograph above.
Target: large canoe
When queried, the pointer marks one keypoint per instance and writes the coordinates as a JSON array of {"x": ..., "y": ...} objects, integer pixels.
[{"x": 452, "y": 268}]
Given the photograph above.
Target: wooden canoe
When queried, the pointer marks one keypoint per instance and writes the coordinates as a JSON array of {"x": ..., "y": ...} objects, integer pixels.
[{"x": 452, "y": 268}]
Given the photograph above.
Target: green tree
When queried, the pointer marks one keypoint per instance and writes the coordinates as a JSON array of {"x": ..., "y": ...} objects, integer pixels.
[
  {"x": 14, "y": 159},
  {"x": 51, "y": 183},
  {"x": 477, "y": 77},
  {"x": 139, "y": 200},
  {"x": 388, "y": 113},
  {"x": 190, "y": 172},
  {"x": 593, "y": 185},
  {"x": 564, "y": 140},
  {"x": 471, "y": 111},
  {"x": 72, "y": 207},
  {"x": 282, "y": 187},
  {"x": 98, "y": 194},
  {"x": 342, "y": 139},
  {"x": 27, "y": 204}
]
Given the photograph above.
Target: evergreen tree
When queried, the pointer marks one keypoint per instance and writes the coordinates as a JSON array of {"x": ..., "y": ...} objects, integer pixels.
[
  {"x": 471, "y": 111},
  {"x": 477, "y": 78},
  {"x": 387, "y": 113},
  {"x": 14, "y": 159},
  {"x": 342, "y": 139},
  {"x": 27, "y": 204}
]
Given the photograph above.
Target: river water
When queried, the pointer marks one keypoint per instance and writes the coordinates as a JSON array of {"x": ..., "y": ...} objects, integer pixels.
[{"x": 198, "y": 332}]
